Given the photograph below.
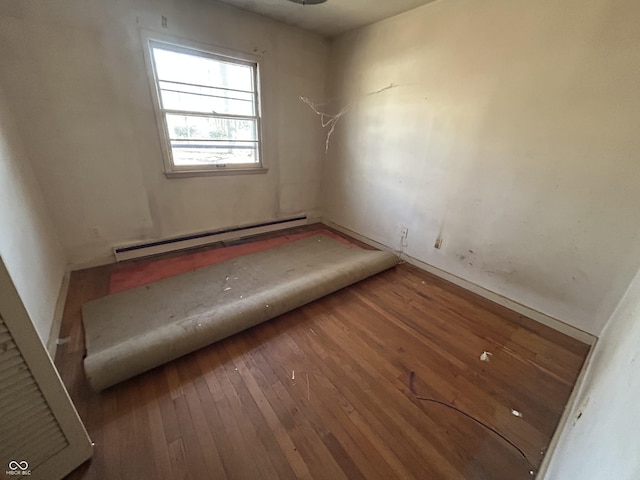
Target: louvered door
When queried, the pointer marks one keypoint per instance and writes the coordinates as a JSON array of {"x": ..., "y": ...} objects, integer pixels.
[{"x": 40, "y": 431}]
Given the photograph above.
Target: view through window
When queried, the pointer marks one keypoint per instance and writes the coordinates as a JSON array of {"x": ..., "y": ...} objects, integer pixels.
[{"x": 210, "y": 108}]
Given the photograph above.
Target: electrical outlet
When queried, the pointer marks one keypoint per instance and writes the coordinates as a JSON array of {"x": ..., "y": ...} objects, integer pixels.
[
  {"x": 404, "y": 232},
  {"x": 438, "y": 243}
]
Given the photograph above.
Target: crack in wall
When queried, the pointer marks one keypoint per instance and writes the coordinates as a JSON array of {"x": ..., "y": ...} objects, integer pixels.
[
  {"x": 327, "y": 120},
  {"x": 330, "y": 121}
]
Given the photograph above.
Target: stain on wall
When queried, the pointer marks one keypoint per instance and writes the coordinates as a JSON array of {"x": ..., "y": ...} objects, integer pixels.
[
  {"x": 75, "y": 76},
  {"x": 523, "y": 151}
]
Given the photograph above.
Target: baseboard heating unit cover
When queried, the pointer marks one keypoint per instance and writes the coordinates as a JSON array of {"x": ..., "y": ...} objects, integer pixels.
[{"x": 136, "y": 330}]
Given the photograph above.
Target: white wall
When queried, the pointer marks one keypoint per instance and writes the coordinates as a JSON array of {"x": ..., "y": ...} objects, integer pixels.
[
  {"x": 74, "y": 73},
  {"x": 604, "y": 442},
  {"x": 29, "y": 245},
  {"x": 511, "y": 133}
]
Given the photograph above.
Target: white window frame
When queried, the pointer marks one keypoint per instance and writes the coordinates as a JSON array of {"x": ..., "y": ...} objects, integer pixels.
[{"x": 151, "y": 39}]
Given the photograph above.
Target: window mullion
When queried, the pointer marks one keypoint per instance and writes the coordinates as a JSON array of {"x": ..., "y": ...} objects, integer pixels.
[
  {"x": 198, "y": 85},
  {"x": 191, "y": 113}
]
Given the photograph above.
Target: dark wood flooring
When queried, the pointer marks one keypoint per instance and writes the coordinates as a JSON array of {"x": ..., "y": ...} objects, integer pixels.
[{"x": 323, "y": 392}]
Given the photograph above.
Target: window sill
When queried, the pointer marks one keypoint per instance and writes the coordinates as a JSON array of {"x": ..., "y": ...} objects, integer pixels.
[{"x": 215, "y": 173}]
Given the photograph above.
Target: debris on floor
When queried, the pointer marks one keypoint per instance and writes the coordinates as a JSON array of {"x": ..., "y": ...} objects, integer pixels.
[{"x": 485, "y": 356}]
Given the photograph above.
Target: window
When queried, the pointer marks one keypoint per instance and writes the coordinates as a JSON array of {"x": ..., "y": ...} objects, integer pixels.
[{"x": 208, "y": 110}]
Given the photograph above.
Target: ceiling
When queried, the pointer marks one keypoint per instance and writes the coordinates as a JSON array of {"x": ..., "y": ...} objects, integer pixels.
[{"x": 331, "y": 18}]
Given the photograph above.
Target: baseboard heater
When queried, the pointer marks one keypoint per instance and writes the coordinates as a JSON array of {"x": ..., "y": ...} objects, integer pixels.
[{"x": 156, "y": 247}]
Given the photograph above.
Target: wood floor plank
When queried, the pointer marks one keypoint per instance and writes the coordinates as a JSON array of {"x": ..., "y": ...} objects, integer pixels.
[
  {"x": 156, "y": 438},
  {"x": 253, "y": 446},
  {"x": 467, "y": 380},
  {"x": 179, "y": 465},
  {"x": 193, "y": 450},
  {"x": 240, "y": 460},
  {"x": 323, "y": 391},
  {"x": 286, "y": 443},
  {"x": 208, "y": 447},
  {"x": 342, "y": 408},
  {"x": 214, "y": 423},
  {"x": 265, "y": 436},
  {"x": 312, "y": 401},
  {"x": 365, "y": 375},
  {"x": 170, "y": 420},
  {"x": 393, "y": 449},
  {"x": 276, "y": 368},
  {"x": 110, "y": 450}
]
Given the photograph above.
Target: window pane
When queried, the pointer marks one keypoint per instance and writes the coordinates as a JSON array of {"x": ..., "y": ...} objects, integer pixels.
[
  {"x": 176, "y": 96},
  {"x": 215, "y": 101},
  {"x": 194, "y": 153},
  {"x": 193, "y": 69},
  {"x": 207, "y": 128}
]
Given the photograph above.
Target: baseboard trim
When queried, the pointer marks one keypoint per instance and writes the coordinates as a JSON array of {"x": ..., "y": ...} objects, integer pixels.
[
  {"x": 56, "y": 324},
  {"x": 238, "y": 234},
  {"x": 170, "y": 244},
  {"x": 539, "y": 317},
  {"x": 568, "y": 413}
]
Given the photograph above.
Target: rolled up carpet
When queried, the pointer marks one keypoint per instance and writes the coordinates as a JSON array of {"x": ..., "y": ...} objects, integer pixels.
[{"x": 136, "y": 330}]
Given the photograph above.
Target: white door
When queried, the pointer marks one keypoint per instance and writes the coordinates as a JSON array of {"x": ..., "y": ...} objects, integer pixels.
[{"x": 41, "y": 435}]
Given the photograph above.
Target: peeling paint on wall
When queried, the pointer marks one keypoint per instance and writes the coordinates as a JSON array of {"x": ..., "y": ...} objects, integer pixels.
[
  {"x": 330, "y": 121},
  {"x": 327, "y": 120}
]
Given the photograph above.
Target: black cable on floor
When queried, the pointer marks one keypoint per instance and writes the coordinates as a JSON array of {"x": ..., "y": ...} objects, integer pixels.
[{"x": 412, "y": 375}]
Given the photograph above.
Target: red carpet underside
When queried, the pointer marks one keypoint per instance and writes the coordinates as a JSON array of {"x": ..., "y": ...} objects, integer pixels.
[{"x": 127, "y": 276}]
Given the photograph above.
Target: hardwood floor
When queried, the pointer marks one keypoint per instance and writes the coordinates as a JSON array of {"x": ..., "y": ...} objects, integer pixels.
[{"x": 323, "y": 392}]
